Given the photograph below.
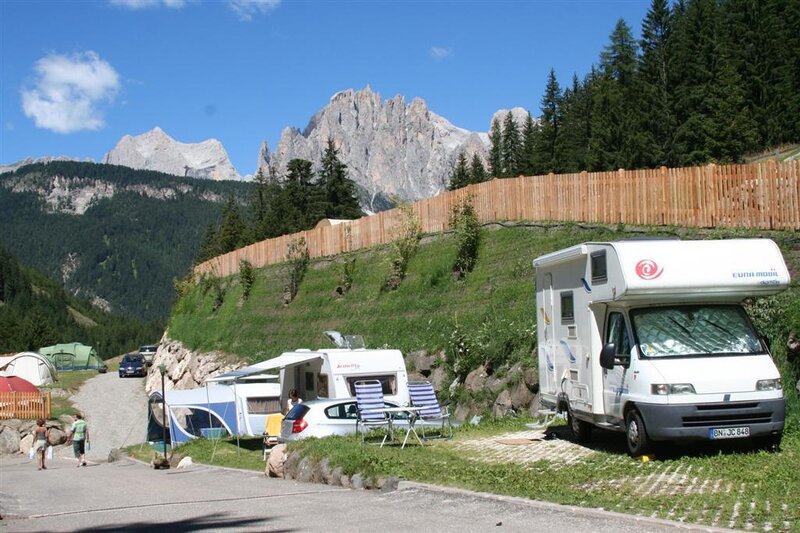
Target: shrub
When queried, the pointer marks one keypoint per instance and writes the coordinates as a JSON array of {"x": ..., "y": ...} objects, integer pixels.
[
  {"x": 467, "y": 231},
  {"x": 347, "y": 274},
  {"x": 297, "y": 264},
  {"x": 403, "y": 246},
  {"x": 247, "y": 276}
]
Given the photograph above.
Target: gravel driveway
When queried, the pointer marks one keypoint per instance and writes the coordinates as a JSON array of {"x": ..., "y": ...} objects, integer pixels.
[{"x": 116, "y": 411}]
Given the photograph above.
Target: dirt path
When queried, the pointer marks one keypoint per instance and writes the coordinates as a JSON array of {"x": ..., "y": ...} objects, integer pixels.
[{"x": 116, "y": 411}]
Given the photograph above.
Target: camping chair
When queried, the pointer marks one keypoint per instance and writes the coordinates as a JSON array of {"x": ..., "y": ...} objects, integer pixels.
[
  {"x": 272, "y": 430},
  {"x": 371, "y": 414},
  {"x": 423, "y": 396}
]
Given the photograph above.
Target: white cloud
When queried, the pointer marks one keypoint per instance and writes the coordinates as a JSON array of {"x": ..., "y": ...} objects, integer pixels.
[
  {"x": 68, "y": 91},
  {"x": 247, "y": 9},
  {"x": 439, "y": 52},
  {"x": 144, "y": 4}
]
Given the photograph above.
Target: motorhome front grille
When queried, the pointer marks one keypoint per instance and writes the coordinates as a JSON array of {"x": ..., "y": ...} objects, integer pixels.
[{"x": 727, "y": 415}]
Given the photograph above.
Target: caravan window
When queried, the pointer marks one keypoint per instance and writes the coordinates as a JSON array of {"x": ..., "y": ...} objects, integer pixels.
[
  {"x": 263, "y": 405},
  {"x": 567, "y": 307},
  {"x": 599, "y": 267},
  {"x": 388, "y": 382}
]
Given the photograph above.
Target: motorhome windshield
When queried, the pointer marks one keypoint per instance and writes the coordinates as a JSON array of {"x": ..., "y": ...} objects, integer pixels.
[{"x": 689, "y": 331}]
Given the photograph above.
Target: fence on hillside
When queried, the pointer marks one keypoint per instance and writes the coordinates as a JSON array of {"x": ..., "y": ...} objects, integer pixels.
[
  {"x": 763, "y": 196},
  {"x": 25, "y": 405}
]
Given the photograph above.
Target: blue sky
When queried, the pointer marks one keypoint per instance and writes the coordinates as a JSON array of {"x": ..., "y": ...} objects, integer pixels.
[{"x": 77, "y": 76}]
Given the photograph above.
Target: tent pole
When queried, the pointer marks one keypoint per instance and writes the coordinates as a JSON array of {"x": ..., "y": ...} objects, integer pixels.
[{"x": 236, "y": 409}]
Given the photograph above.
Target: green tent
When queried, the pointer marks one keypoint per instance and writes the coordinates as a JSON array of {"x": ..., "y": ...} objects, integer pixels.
[{"x": 72, "y": 356}]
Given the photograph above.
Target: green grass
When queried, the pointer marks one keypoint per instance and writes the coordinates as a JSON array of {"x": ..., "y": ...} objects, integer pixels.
[{"x": 222, "y": 452}]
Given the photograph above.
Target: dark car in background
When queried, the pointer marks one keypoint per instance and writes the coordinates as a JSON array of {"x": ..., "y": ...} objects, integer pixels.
[{"x": 132, "y": 364}]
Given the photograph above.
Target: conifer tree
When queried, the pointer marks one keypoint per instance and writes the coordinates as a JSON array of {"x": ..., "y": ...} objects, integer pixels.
[
  {"x": 546, "y": 158},
  {"x": 460, "y": 176},
  {"x": 496, "y": 150},
  {"x": 573, "y": 139},
  {"x": 528, "y": 160},
  {"x": 232, "y": 229},
  {"x": 512, "y": 146},
  {"x": 340, "y": 192},
  {"x": 477, "y": 172}
]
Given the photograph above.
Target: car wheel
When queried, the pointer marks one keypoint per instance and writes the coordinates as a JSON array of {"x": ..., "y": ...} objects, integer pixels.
[
  {"x": 581, "y": 431},
  {"x": 636, "y": 434}
]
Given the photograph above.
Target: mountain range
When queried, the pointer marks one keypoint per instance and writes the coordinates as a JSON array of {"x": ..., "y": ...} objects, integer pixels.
[{"x": 394, "y": 150}]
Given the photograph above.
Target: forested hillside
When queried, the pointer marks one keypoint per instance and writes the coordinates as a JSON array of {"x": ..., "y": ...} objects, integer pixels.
[
  {"x": 112, "y": 235},
  {"x": 35, "y": 311},
  {"x": 709, "y": 81}
]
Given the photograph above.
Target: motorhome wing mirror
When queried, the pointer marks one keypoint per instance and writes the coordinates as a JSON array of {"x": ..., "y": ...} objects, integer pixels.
[{"x": 607, "y": 355}]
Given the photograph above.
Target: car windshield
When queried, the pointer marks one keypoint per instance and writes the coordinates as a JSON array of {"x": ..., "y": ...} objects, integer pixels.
[
  {"x": 131, "y": 359},
  {"x": 147, "y": 349},
  {"x": 688, "y": 331}
]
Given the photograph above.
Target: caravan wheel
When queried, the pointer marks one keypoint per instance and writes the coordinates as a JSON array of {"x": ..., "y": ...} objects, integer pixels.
[
  {"x": 581, "y": 431},
  {"x": 636, "y": 434}
]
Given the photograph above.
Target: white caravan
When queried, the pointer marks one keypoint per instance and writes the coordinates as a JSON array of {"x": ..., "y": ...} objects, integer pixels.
[
  {"x": 332, "y": 373},
  {"x": 649, "y": 337}
]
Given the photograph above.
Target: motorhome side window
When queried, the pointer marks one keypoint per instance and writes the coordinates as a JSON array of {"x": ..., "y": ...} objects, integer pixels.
[
  {"x": 618, "y": 334},
  {"x": 599, "y": 267},
  {"x": 388, "y": 382},
  {"x": 567, "y": 307}
]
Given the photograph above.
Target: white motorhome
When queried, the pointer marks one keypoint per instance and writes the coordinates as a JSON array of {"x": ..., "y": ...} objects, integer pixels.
[
  {"x": 649, "y": 337},
  {"x": 332, "y": 373}
]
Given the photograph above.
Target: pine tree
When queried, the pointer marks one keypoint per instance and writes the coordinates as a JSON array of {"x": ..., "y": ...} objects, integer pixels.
[
  {"x": 460, "y": 176},
  {"x": 232, "y": 229},
  {"x": 477, "y": 172},
  {"x": 528, "y": 161},
  {"x": 655, "y": 75},
  {"x": 340, "y": 192},
  {"x": 546, "y": 158},
  {"x": 496, "y": 150},
  {"x": 573, "y": 140},
  {"x": 512, "y": 147},
  {"x": 259, "y": 205}
]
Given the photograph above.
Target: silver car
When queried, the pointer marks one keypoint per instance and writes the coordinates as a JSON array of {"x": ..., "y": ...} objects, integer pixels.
[{"x": 323, "y": 418}]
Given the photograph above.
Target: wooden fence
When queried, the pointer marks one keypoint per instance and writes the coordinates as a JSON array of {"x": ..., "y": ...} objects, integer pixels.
[
  {"x": 763, "y": 196},
  {"x": 25, "y": 405}
]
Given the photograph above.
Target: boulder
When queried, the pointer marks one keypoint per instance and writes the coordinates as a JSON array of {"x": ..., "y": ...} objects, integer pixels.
[
  {"x": 531, "y": 378},
  {"x": 496, "y": 384},
  {"x": 57, "y": 436},
  {"x": 290, "y": 466},
  {"x": 276, "y": 461},
  {"x": 184, "y": 463},
  {"x": 114, "y": 455},
  {"x": 423, "y": 363},
  {"x": 305, "y": 470},
  {"x": 9, "y": 441},
  {"x": 345, "y": 481},
  {"x": 463, "y": 411},
  {"x": 326, "y": 473},
  {"x": 336, "y": 476},
  {"x": 520, "y": 395},
  {"x": 502, "y": 405},
  {"x": 390, "y": 484},
  {"x": 476, "y": 379},
  {"x": 535, "y": 406},
  {"x": 357, "y": 481},
  {"x": 437, "y": 377},
  {"x": 25, "y": 444}
]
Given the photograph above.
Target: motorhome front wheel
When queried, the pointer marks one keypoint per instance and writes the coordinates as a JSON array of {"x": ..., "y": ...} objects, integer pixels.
[{"x": 638, "y": 443}]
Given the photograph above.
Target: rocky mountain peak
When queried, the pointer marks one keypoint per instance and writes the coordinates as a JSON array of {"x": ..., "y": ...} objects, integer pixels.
[
  {"x": 391, "y": 148},
  {"x": 155, "y": 150}
]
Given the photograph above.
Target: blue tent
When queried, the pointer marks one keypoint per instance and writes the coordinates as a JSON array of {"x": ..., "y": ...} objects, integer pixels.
[{"x": 203, "y": 412}]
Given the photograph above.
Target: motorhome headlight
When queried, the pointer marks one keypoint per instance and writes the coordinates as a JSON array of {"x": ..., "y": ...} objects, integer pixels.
[
  {"x": 662, "y": 389},
  {"x": 769, "y": 384}
]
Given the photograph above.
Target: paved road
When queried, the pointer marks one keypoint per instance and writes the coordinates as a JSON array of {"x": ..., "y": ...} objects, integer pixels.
[
  {"x": 116, "y": 411},
  {"x": 130, "y": 496}
]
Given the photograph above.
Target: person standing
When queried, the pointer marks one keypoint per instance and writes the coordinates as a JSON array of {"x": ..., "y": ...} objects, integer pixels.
[
  {"x": 293, "y": 400},
  {"x": 79, "y": 437},
  {"x": 40, "y": 437}
]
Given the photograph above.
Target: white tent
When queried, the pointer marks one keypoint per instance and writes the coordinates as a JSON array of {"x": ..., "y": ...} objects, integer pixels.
[{"x": 32, "y": 367}]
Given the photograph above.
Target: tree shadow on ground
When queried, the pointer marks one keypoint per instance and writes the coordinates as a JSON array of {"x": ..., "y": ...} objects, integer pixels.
[{"x": 210, "y": 522}]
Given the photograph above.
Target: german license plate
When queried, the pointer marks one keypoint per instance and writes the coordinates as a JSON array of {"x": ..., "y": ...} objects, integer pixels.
[{"x": 729, "y": 433}]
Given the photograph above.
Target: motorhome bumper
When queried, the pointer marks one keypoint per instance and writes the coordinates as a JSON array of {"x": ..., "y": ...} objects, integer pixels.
[{"x": 693, "y": 421}]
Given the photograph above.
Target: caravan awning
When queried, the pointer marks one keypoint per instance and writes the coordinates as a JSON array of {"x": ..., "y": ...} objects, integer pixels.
[{"x": 282, "y": 361}]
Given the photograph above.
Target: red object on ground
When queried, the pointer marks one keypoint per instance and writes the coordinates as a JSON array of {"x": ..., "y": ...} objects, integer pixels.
[{"x": 16, "y": 384}]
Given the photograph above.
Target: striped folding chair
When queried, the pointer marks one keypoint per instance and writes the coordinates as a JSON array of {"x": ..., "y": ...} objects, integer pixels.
[
  {"x": 371, "y": 414},
  {"x": 423, "y": 396}
]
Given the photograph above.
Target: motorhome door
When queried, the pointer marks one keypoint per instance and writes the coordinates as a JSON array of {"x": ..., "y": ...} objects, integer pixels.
[
  {"x": 548, "y": 350},
  {"x": 615, "y": 389}
]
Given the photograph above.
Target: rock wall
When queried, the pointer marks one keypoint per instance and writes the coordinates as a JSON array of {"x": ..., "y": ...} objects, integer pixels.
[
  {"x": 16, "y": 436},
  {"x": 185, "y": 369}
]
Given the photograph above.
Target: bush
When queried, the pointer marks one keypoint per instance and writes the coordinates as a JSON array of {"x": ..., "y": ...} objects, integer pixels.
[
  {"x": 403, "y": 247},
  {"x": 247, "y": 276},
  {"x": 467, "y": 231},
  {"x": 297, "y": 264}
]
